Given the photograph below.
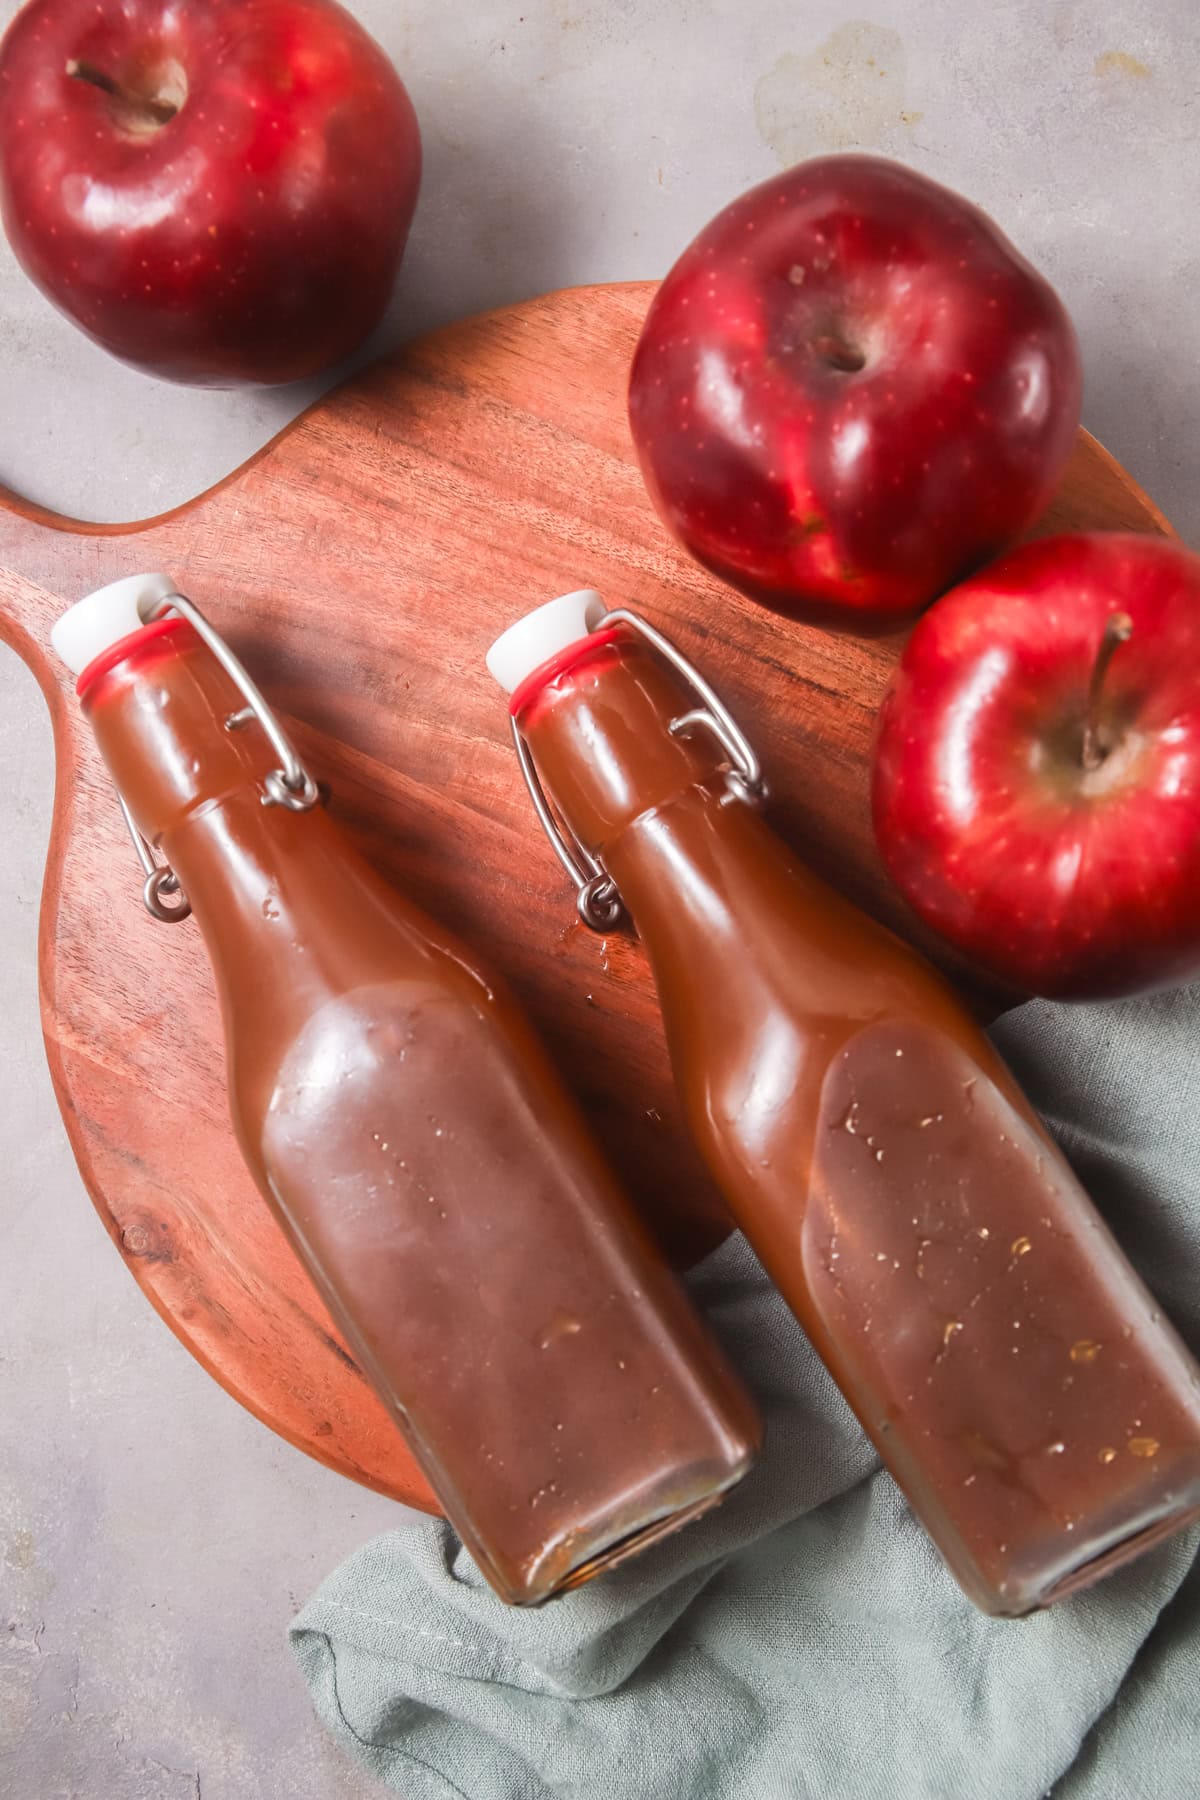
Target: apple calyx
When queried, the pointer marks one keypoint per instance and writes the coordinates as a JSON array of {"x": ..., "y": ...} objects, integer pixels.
[
  {"x": 137, "y": 110},
  {"x": 1118, "y": 629},
  {"x": 836, "y": 353}
]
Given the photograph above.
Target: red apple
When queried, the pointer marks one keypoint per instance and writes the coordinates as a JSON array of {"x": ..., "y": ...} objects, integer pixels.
[
  {"x": 850, "y": 390},
  {"x": 216, "y": 190},
  {"x": 1037, "y": 775}
]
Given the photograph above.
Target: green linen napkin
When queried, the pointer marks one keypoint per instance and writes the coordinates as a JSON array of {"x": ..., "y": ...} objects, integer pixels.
[{"x": 805, "y": 1639}]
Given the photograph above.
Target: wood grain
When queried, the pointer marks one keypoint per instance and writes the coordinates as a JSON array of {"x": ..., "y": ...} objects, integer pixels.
[{"x": 361, "y": 564}]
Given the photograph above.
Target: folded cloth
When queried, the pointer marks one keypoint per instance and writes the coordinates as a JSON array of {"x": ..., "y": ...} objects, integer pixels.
[{"x": 805, "y": 1639}]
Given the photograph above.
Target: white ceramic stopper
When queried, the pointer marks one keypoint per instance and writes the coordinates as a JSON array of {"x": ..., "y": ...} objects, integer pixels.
[
  {"x": 87, "y": 629},
  {"x": 541, "y": 634}
]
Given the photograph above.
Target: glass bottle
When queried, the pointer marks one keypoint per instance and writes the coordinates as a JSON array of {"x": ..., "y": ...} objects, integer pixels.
[
  {"x": 1012, "y": 1370},
  {"x": 553, "y": 1382}
]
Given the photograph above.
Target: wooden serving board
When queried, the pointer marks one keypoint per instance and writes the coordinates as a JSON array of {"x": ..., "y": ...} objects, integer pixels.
[{"x": 361, "y": 564}]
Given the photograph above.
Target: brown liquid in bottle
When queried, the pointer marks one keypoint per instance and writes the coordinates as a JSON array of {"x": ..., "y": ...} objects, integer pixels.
[
  {"x": 1013, "y": 1371},
  {"x": 421, "y": 1153}
]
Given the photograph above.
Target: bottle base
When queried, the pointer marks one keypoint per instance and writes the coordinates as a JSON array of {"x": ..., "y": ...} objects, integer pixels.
[
  {"x": 1020, "y": 1601},
  {"x": 638, "y": 1540},
  {"x": 1097, "y": 1567}
]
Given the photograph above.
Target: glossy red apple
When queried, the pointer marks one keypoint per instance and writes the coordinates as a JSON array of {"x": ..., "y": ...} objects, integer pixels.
[
  {"x": 851, "y": 389},
  {"x": 1037, "y": 776},
  {"x": 216, "y": 190}
]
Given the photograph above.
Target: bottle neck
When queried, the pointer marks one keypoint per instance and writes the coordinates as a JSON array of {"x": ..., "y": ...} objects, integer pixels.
[
  {"x": 733, "y": 922},
  {"x": 651, "y": 803},
  {"x": 261, "y": 880},
  {"x": 160, "y": 706},
  {"x": 600, "y": 730}
]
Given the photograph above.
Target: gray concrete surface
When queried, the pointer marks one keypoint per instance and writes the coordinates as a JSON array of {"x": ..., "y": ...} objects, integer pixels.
[{"x": 153, "y": 1538}]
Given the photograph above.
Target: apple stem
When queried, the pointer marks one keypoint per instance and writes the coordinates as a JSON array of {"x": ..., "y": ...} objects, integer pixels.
[
  {"x": 160, "y": 111},
  {"x": 1118, "y": 629}
]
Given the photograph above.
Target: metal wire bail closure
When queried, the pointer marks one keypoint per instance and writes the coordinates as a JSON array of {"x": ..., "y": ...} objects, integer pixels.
[
  {"x": 597, "y": 898},
  {"x": 290, "y": 785},
  {"x": 160, "y": 878},
  {"x": 744, "y": 777}
]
